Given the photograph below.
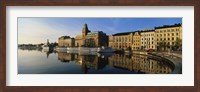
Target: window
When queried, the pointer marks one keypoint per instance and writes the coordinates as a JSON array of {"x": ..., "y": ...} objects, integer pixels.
[
  {"x": 168, "y": 30},
  {"x": 172, "y": 30},
  {"x": 172, "y": 38},
  {"x": 164, "y": 39},
  {"x": 177, "y": 34},
  {"x": 168, "y": 34},
  {"x": 172, "y": 34},
  {"x": 160, "y": 34},
  {"x": 168, "y": 38},
  {"x": 164, "y": 34},
  {"x": 164, "y": 30},
  {"x": 161, "y": 39}
]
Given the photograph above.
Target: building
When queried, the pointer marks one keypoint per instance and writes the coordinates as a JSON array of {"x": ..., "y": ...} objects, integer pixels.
[
  {"x": 91, "y": 39},
  {"x": 148, "y": 40},
  {"x": 66, "y": 41},
  {"x": 136, "y": 45},
  {"x": 78, "y": 40},
  {"x": 96, "y": 39},
  {"x": 169, "y": 37},
  {"x": 121, "y": 40}
]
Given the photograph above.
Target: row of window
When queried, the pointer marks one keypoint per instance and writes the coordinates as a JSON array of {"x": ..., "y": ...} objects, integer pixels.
[
  {"x": 121, "y": 39},
  {"x": 147, "y": 34},
  {"x": 167, "y": 39},
  {"x": 147, "y": 38},
  {"x": 168, "y": 30},
  {"x": 172, "y": 34},
  {"x": 147, "y": 42}
]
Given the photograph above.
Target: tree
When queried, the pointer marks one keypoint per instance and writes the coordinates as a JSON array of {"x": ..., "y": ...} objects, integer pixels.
[
  {"x": 161, "y": 45},
  {"x": 178, "y": 44}
]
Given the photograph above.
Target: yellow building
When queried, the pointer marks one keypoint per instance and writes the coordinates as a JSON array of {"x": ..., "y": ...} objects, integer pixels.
[
  {"x": 136, "y": 41},
  {"x": 121, "y": 40},
  {"x": 66, "y": 41},
  {"x": 168, "y": 36},
  {"x": 148, "y": 40}
]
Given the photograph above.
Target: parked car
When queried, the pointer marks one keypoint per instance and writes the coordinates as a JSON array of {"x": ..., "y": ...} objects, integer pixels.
[{"x": 150, "y": 50}]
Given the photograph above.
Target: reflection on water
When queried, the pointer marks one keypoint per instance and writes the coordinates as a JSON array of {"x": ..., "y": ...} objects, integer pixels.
[{"x": 39, "y": 62}]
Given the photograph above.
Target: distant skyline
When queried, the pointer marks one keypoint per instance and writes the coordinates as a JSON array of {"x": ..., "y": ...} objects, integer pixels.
[{"x": 38, "y": 30}]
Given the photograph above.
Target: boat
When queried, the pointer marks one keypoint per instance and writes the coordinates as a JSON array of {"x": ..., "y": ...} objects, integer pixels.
[
  {"x": 47, "y": 48},
  {"x": 105, "y": 50}
]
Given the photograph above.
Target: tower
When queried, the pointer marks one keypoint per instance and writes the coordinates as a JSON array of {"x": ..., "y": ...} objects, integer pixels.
[
  {"x": 84, "y": 30},
  {"x": 47, "y": 41}
]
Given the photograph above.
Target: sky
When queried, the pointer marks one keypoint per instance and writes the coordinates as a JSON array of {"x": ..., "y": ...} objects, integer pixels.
[{"x": 38, "y": 30}]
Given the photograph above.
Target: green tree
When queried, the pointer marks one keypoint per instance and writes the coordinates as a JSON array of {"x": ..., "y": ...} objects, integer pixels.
[{"x": 178, "y": 44}]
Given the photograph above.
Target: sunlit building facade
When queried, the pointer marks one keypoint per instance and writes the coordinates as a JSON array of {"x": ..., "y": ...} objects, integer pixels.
[
  {"x": 66, "y": 41},
  {"x": 148, "y": 40},
  {"x": 136, "y": 45},
  {"x": 121, "y": 40},
  {"x": 91, "y": 39},
  {"x": 167, "y": 35}
]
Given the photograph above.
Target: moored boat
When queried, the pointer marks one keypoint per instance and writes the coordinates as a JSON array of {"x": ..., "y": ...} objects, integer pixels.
[{"x": 105, "y": 50}]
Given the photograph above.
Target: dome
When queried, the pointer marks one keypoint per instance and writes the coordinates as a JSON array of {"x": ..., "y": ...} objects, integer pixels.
[{"x": 79, "y": 36}]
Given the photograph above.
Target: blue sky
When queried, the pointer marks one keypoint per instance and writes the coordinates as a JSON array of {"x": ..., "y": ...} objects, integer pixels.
[{"x": 38, "y": 30}]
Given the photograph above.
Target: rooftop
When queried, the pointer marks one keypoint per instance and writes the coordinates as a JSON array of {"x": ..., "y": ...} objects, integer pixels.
[
  {"x": 64, "y": 37},
  {"x": 167, "y": 26}
]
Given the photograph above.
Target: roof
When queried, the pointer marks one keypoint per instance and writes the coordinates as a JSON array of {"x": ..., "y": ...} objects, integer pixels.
[
  {"x": 126, "y": 33},
  {"x": 64, "y": 37},
  {"x": 167, "y": 26},
  {"x": 147, "y": 31}
]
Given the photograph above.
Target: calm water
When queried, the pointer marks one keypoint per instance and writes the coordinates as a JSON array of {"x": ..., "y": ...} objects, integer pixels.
[{"x": 39, "y": 62}]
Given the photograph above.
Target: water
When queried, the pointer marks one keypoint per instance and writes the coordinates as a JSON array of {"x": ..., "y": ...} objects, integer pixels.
[{"x": 39, "y": 62}]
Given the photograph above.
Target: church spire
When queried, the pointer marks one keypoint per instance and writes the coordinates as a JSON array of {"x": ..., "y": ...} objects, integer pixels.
[{"x": 85, "y": 30}]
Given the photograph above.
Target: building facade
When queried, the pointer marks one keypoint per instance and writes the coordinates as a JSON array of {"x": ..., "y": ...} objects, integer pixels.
[
  {"x": 168, "y": 37},
  {"x": 96, "y": 39},
  {"x": 148, "y": 40},
  {"x": 66, "y": 41},
  {"x": 91, "y": 39},
  {"x": 121, "y": 40},
  {"x": 136, "y": 45}
]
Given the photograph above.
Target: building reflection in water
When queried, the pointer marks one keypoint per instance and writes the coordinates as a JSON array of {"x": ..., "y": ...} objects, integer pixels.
[
  {"x": 140, "y": 64},
  {"x": 135, "y": 63},
  {"x": 65, "y": 57}
]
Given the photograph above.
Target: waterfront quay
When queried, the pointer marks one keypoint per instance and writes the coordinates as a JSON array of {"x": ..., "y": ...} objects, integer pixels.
[{"x": 155, "y": 51}]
